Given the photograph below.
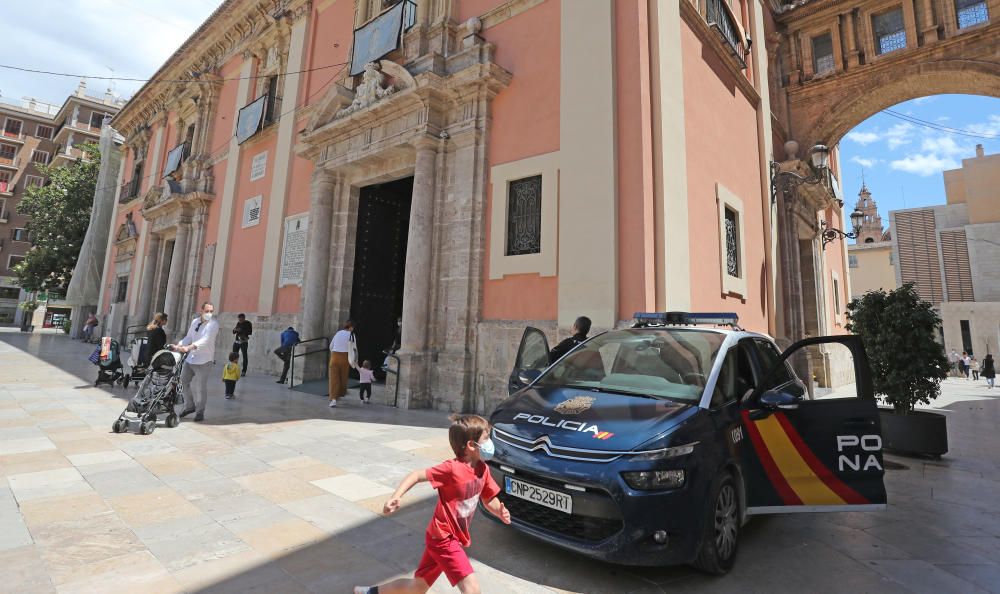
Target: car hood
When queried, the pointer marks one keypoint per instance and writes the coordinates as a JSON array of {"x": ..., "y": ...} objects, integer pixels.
[{"x": 585, "y": 419}]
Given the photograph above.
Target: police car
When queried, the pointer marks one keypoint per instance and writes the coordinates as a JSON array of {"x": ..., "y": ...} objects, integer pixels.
[{"x": 652, "y": 445}]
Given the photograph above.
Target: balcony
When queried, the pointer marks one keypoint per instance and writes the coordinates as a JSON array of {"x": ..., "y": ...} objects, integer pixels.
[
  {"x": 14, "y": 137},
  {"x": 7, "y": 162},
  {"x": 6, "y": 188},
  {"x": 130, "y": 191},
  {"x": 722, "y": 21},
  {"x": 68, "y": 155}
]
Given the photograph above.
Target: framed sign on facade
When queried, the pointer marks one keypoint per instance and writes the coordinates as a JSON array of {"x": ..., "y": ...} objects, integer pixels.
[
  {"x": 258, "y": 166},
  {"x": 293, "y": 250},
  {"x": 251, "y": 211}
]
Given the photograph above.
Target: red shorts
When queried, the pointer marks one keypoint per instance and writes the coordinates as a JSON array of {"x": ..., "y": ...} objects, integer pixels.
[{"x": 444, "y": 556}]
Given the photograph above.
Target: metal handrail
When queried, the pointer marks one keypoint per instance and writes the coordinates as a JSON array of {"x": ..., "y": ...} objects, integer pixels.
[
  {"x": 291, "y": 371},
  {"x": 395, "y": 372}
]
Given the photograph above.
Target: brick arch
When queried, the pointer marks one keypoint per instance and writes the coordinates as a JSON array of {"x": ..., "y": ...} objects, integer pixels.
[{"x": 845, "y": 111}]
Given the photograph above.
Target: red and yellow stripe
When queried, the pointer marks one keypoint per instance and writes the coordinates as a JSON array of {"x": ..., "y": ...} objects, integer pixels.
[{"x": 798, "y": 476}]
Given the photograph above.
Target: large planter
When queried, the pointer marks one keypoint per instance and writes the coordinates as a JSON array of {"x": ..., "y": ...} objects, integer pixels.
[{"x": 919, "y": 432}]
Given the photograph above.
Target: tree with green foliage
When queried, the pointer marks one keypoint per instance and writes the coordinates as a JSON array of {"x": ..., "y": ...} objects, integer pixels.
[
  {"x": 59, "y": 213},
  {"x": 899, "y": 331}
]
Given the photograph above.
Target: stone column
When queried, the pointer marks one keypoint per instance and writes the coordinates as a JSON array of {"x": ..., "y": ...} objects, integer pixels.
[
  {"x": 851, "y": 30},
  {"x": 317, "y": 270},
  {"x": 417, "y": 280},
  {"x": 176, "y": 278},
  {"x": 145, "y": 303},
  {"x": 930, "y": 29}
]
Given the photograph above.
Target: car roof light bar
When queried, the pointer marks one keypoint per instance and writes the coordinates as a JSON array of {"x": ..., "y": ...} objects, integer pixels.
[{"x": 683, "y": 318}]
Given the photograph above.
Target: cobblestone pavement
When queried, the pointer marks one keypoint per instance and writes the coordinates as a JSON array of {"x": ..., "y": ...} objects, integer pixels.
[{"x": 277, "y": 493}]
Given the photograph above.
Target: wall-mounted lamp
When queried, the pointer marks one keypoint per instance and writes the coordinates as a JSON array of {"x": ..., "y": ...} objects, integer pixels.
[{"x": 831, "y": 234}]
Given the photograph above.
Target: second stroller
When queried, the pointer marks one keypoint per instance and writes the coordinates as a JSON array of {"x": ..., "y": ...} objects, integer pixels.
[{"x": 158, "y": 393}]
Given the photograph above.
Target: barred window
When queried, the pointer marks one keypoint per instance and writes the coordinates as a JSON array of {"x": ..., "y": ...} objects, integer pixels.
[
  {"x": 823, "y": 61},
  {"x": 121, "y": 289},
  {"x": 732, "y": 243},
  {"x": 971, "y": 13},
  {"x": 890, "y": 31},
  {"x": 852, "y": 261},
  {"x": 524, "y": 216}
]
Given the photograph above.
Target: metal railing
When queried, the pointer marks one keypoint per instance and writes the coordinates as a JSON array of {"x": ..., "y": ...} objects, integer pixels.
[
  {"x": 388, "y": 370},
  {"x": 720, "y": 19},
  {"x": 326, "y": 347},
  {"x": 129, "y": 190},
  {"x": 135, "y": 331}
]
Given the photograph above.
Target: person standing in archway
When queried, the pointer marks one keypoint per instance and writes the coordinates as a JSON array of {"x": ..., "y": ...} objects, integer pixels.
[{"x": 340, "y": 365}]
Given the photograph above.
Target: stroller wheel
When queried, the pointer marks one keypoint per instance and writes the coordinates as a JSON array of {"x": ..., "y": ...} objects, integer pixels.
[
  {"x": 120, "y": 426},
  {"x": 172, "y": 420},
  {"x": 147, "y": 427}
]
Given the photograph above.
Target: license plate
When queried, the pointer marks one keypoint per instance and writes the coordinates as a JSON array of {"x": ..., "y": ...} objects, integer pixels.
[{"x": 535, "y": 494}]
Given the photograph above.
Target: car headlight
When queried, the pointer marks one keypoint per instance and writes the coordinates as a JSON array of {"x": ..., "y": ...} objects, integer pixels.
[
  {"x": 654, "y": 480},
  {"x": 664, "y": 453}
]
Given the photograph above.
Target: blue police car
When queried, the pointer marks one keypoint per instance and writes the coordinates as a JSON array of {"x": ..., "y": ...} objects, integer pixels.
[{"x": 652, "y": 445}]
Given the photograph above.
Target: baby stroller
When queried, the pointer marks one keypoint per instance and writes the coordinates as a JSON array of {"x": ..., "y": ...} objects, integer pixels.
[
  {"x": 137, "y": 364},
  {"x": 157, "y": 395},
  {"x": 109, "y": 369}
]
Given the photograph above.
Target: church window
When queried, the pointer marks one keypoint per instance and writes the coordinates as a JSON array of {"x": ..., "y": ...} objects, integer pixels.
[
  {"x": 971, "y": 13},
  {"x": 890, "y": 31},
  {"x": 524, "y": 216},
  {"x": 823, "y": 61}
]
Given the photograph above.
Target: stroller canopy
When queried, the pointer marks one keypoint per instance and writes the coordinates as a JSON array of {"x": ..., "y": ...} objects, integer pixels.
[{"x": 164, "y": 360}]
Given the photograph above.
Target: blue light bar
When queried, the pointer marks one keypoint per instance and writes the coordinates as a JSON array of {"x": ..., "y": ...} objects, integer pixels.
[{"x": 683, "y": 318}]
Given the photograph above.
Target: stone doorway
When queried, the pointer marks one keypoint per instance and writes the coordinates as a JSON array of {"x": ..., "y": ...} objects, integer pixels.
[{"x": 383, "y": 222}]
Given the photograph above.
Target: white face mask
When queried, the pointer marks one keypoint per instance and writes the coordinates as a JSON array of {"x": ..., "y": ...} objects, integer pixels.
[{"x": 206, "y": 316}]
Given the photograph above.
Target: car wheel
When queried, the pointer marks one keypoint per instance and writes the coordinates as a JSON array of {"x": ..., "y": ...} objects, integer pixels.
[{"x": 720, "y": 540}]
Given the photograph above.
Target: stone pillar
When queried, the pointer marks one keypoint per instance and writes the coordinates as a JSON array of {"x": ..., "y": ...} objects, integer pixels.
[
  {"x": 417, "y": 280},
  {"x": 176, "y": 278},
  {"x": 317, "y": 270},
  {"x": 146, "y": 288},
  {"x": 930, "y": 29},
  {"x": 851, "y": 31}
]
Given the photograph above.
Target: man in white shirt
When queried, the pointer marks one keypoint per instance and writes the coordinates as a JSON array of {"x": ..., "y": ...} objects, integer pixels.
[{"x": 199, "y": 343}]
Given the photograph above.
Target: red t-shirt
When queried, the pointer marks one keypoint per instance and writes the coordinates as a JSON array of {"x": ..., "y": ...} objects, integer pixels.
[{"x": 459, "y": 487}]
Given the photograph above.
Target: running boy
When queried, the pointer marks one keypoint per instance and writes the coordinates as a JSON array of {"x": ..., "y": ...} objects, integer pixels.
[
  {"x": 461, "y": 483},
  {"x": 231, "y": 374},
  {"x": 367, "y": 377}
]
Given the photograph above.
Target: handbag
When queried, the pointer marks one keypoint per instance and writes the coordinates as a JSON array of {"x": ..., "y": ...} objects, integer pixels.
[
  {"x": 352, "y": 351},
  {"x": 95, "y": 357}
]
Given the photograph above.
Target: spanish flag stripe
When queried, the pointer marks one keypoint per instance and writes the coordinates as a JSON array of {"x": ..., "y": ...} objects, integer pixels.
[
  {"x": 784, "y": 491},
  {"x": 810, "y": 489},
  {"x": 821, "y": 470}
]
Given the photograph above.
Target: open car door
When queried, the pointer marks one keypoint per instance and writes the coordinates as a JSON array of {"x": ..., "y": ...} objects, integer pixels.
[
  {"x": 532, "y": 358},
  {"x": 813, "y": 455}
]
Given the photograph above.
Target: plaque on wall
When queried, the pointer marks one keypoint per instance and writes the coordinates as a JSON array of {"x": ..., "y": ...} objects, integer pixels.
[
  {"x": 293, "y": 252},
  {"x": 207, "y": 266}
]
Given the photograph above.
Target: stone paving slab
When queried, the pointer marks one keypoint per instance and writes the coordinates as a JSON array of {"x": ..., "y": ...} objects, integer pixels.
[{"x": 277, "y": 493}]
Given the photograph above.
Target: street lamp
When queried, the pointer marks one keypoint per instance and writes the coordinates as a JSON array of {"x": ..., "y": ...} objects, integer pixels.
[
  {"x": 831, "y": 234},
  {"x": 820, "y": 157}
]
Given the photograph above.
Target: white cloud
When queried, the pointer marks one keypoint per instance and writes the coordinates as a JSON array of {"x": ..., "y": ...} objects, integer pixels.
[
  {"x": 899, "y": 135},
  {"x": 924, "y": 165},
  {"x": 863, "y": 138},
  {"x": 945, "y": 145},
  {"x": 991, "y": 127},
  {"x": 922, "y": 100},
  {"x": 865, "y": 162}
]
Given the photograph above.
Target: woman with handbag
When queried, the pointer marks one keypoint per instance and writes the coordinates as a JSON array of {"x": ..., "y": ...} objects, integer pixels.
[{"x": 343, "y": 354}]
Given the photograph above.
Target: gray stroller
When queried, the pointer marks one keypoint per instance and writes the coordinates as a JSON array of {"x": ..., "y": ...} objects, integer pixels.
[{"x": 158, "y": 392}]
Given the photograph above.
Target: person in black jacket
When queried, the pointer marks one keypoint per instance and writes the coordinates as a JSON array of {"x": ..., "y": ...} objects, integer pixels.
[
  {"x": 241, "y": 340},
  {"x": 581, "y": 327},
  {"x": 156, "y": 337}
]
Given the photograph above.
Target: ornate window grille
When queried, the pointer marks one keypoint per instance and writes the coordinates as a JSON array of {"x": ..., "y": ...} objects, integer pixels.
[
  {"x": 823, "y": 61},
  {"x": 890, "y": 31},
  {"x": 524, "y": 216},
  {"x": 971, "y": 13},
  {"x": 732, "y": 243}
]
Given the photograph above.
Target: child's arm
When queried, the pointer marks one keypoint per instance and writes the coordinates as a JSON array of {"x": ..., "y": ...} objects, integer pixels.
[
  {"x": 417, "y": 476},
  {"x": 498, "y": 509}
]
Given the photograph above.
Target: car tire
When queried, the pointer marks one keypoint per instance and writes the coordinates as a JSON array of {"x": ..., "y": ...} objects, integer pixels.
[{"x": 720, "y": 537}]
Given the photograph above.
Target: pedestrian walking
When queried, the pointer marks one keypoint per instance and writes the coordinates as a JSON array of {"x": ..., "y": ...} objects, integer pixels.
[
  {"x": 367, "y": 377},
  {"x": 199, "y": 343},
  {"x": 231, "y": 375},
  {"x": 974, "y": 367},
  {"x": 241, "y": 340},
  {"x": 88, "y": 328},
  {"x": 289, "y": 338},
  {"x": 461, "y": 484},
  {"x": 966, "y": 365},
  {"x": 989, "y": 370},
  {"x": 581, "y": 327},
  {"x": 341, "y": 347},
  {"x": 156, "y": 336},
  {"x": 953, "y": 361}
]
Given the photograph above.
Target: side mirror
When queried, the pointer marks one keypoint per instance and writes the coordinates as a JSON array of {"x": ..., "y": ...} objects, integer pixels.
[
  {"x": 526, "y": 376},
  {"x": 773, "y": 399}
]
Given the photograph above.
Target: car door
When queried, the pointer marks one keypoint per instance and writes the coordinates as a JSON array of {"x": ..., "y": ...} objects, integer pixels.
[
  {"x": 532, "y": 358},
  {"x": 811, "y": 455}
]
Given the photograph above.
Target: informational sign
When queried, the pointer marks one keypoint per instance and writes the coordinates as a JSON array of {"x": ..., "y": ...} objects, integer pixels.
[
  {"x": 207, "y": 266},
  {"x": 258, "y": 166},
  {"x": 174, "y": 160},
  {"x": 377, "y": 38},
  {"x": 250, "y": 119},
  {"x": 251, "y": 211},
  {"x": 293, "y": 252}
]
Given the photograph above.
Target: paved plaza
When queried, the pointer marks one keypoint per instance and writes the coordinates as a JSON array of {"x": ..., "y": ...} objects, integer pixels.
[{"x": 276, "y": 493}]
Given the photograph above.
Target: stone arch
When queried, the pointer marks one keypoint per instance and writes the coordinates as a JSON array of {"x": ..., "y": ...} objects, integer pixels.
[{"x": 912, "y": 81}]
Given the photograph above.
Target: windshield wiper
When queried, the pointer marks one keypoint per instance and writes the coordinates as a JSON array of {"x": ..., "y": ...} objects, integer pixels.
[{"x": 625, "y": 392}]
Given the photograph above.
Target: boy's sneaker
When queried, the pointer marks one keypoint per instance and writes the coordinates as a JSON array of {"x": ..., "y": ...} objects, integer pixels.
[
  {"x": 365, "y": 589},
  {"x": 333, "y": 404}
]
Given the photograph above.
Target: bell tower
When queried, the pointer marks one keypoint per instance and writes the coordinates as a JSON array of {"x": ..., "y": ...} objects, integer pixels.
[{"x": 871, "y": 229}]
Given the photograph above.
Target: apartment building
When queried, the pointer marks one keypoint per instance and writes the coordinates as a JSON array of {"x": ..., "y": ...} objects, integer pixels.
[
  {"x": 951, "y": 252},
  {"x": 34, "y": 133}
]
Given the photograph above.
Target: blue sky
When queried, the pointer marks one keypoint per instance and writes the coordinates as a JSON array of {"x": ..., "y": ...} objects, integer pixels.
[{"x": 903, "y": 160}]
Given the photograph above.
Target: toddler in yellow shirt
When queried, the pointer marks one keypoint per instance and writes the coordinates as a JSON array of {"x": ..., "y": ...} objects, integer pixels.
[{"x": 231, "y": 374}]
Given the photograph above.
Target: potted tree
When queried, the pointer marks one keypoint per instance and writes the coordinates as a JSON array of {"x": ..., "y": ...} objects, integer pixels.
[
  {"x": 899, "y": 332},
  {"x": 28, "y": 307}
]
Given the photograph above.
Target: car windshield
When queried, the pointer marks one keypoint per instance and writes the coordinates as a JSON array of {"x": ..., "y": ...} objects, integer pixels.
[{"x": 667, "y": 363}]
